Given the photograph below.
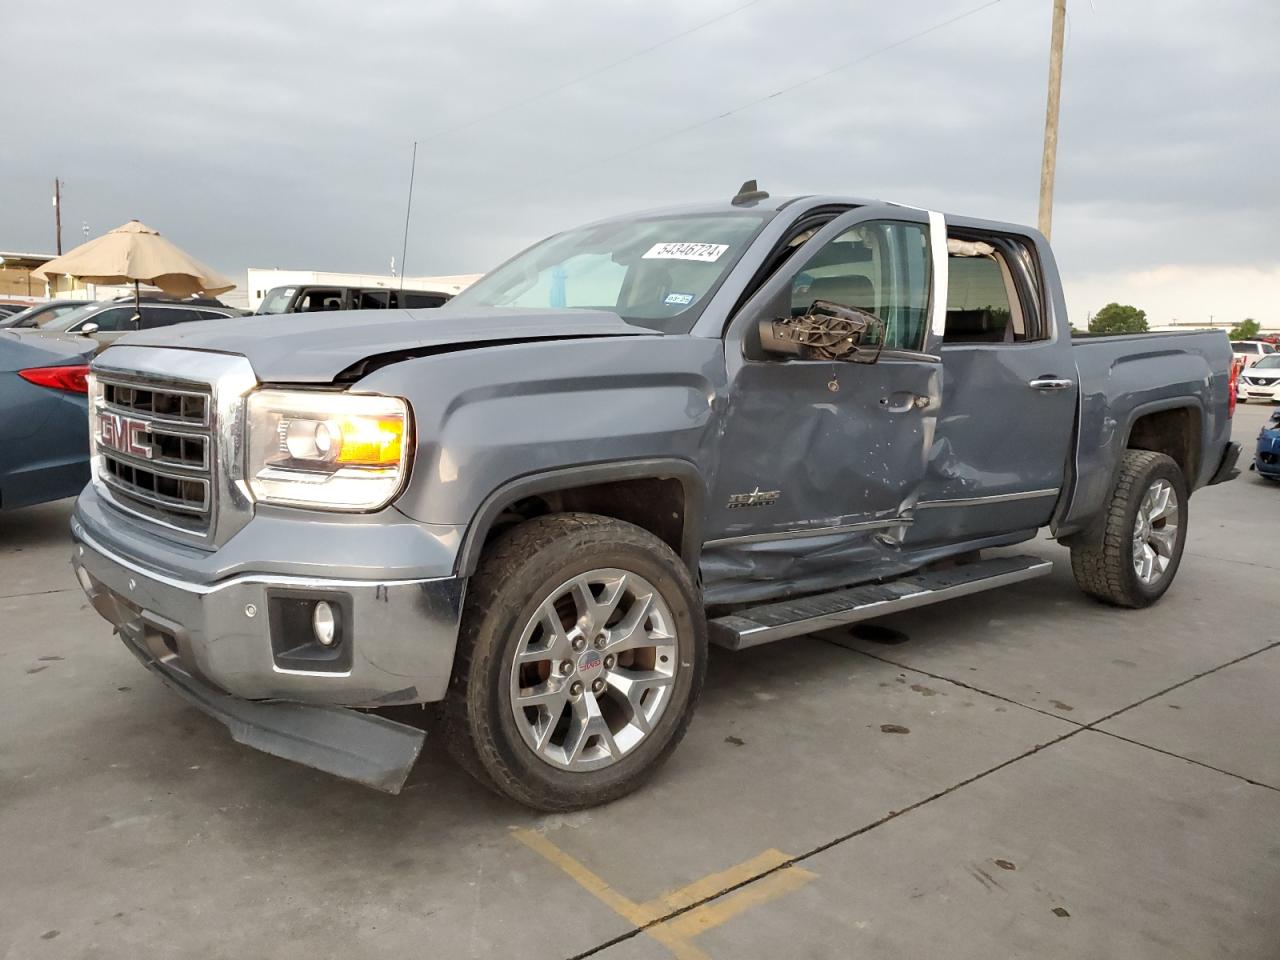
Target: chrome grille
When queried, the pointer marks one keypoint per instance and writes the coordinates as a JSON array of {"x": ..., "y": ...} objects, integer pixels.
[
  {"x": 169, "y": 404},
  {"x": 154, "y": 444}
]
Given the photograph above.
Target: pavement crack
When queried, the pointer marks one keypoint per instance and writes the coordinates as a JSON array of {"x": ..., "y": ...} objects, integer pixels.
[
  {"x": 823, "y": 847},
  {"x": 958, "y": 683},
  {"x": 1235, "y": 560},
  {"x": 1198, "y": 763},
  {"x": 37, "y": 593},
  {"x": 1182, "y": 683},
  {"x": 895, "y": 814}
]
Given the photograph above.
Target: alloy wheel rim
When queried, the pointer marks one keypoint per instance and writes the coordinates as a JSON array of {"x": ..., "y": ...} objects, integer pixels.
[
  {"x": 594, "y": 669},
  {"x": 1155, "y": 532}
]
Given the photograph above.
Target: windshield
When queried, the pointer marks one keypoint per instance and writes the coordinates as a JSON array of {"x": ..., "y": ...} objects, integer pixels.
[
  {"x": 658, "y": 272},
  {"x": 69, "y": 320},
  {"x": 1268, "y": 362},
  {"x": 277, "y": 300}
]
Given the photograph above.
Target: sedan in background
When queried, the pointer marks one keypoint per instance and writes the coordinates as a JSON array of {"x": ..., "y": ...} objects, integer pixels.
[
  {"x": 44, "y": 417},
  {"x": 1260, "y": 381},
  {"x": 41, "y": 313}
]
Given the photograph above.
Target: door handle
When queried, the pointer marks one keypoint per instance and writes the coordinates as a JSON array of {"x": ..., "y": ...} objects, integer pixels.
[{"x": 1050, "y": 383}]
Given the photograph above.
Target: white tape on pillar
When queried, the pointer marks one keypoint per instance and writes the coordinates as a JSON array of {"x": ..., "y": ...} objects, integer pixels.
[{"x": 938, "y": 248}]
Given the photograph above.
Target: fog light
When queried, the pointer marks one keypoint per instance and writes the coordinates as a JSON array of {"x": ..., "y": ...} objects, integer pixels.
[{"x": 324, "y": 624}]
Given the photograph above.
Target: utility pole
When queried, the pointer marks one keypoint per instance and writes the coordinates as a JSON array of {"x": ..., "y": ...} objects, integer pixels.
[
  {"x": 1048, "y": 166},
  {"x": 57, "y": 212}
]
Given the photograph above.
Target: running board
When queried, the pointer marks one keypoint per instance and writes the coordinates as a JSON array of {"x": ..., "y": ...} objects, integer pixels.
[{"x": 791, "y": 618}]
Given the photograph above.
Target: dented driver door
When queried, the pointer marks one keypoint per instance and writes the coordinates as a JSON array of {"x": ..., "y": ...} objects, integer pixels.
[{"x": 821, "y": 460}]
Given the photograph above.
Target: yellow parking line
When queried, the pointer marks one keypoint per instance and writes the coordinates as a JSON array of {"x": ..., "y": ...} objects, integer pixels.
[
  {"x": 711, "y": 885},
  {"x": 676, "y": 933},
  {"x": 588, "y": 881},
  {"x": 709, "y": 915}
]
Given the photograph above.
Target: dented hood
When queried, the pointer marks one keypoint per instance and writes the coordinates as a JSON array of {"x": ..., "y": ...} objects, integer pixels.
[{"x": 316, "y": 347}]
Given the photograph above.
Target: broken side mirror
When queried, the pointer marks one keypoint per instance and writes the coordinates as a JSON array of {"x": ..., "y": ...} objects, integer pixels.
[{"x": 829, "y": 331}]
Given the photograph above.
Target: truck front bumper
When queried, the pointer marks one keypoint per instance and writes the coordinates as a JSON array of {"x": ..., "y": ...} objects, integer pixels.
[
  {"x": 401, "y": 638},
  {"x": 363, "y": 747},
  {"x": 220, "y": 646}
]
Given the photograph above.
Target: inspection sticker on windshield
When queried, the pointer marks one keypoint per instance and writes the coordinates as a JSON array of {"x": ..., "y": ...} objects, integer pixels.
[
  {"x": 703, "y": 252},
  {"x": 679, "y": 299}
]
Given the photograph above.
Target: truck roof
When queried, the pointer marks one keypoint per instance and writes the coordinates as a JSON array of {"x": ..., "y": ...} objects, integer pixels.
[{"x": 804, "y": 202}]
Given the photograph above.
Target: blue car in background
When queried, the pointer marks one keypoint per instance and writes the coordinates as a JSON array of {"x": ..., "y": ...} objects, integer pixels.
[
  {"x": 44, "y": 428},
  {"x": 1267, "y": 458}
]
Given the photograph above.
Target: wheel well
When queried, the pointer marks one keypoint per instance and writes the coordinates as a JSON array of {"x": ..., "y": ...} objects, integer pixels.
[
  {"x": 1175, "y": 433},
  {"x": 655, "y": 504}
]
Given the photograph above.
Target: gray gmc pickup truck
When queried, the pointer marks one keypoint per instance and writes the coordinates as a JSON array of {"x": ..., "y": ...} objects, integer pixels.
[{"x": 733, "y": 424}]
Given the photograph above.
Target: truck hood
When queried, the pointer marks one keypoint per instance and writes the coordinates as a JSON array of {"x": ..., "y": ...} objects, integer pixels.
[{"x": 317, "y": 347}]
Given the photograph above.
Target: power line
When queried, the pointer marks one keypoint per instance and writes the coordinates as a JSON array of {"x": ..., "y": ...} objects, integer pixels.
[
  {"x": 795, "y": 86},
  {"x": 572, "y": 81},
  {"x": 707, "y": 121}
]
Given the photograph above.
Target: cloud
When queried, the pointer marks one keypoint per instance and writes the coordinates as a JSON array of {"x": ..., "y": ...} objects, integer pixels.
[{"x": 279, "y": 133}]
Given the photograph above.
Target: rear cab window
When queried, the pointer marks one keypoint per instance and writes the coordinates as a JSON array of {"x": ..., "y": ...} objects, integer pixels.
[{"x": 992, "y": 292}]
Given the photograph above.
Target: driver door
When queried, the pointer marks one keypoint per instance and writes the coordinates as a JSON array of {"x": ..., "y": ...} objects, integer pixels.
[{"x": 821, "y": 458}]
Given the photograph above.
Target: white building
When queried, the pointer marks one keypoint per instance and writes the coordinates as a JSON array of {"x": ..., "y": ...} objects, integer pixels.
[{"x": 261, "y": 279}]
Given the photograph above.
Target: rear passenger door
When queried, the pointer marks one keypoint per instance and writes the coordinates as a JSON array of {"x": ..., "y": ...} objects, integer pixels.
[{"x": 998, "y": 460}]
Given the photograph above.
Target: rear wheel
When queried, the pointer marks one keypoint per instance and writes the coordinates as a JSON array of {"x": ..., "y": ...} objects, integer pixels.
[
  {"x": 1143, "y": 537},
  {"x": 580, "y": 661}
]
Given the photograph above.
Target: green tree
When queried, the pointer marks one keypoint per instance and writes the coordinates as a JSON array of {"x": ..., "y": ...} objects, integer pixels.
[
  {"x": 1119, "y": 318},
  {"x": 1246, "y": 330}
]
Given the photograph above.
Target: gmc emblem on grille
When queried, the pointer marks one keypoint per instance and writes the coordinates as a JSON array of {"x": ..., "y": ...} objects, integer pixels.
[{"x": 124, "y": 434}]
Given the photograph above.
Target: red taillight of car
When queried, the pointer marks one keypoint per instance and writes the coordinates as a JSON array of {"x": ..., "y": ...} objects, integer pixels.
[
  {"x": 71, "y": 379},
  {"x": 1232, "y": 379}
]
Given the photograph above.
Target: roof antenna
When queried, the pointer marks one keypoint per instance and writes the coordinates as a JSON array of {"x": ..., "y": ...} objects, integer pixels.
[
  {"x": 408, "y": 210},
  {"x": 749, "y": 193}
]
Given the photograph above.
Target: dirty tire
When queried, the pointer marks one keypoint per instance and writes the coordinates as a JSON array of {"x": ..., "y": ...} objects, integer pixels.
[
  {"x": 1105, "y": 571},
  {"x": 520, "y": 569}
]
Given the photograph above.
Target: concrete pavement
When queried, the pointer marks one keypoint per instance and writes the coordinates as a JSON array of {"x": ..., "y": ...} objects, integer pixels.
[{"x": 1021, "y": 773}]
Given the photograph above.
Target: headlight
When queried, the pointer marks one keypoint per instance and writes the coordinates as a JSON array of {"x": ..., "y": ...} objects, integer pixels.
[{"x": 336, "y": 451}]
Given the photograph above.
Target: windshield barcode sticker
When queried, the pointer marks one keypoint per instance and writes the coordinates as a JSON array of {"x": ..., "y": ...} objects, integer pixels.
[{"x": 703, "y": 252}]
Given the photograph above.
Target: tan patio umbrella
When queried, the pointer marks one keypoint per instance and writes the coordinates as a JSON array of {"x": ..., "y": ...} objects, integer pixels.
[{"x": 134, "y": 253}]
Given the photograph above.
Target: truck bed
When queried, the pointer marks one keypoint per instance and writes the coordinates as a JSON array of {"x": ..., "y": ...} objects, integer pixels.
[{"x": 1125, "y": 378}]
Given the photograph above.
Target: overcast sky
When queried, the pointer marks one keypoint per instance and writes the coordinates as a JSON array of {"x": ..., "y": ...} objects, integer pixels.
[{"x": 279, "y": 133}]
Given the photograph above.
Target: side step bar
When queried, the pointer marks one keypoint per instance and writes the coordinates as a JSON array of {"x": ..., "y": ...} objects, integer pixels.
[{"x": 791, "y": 618}]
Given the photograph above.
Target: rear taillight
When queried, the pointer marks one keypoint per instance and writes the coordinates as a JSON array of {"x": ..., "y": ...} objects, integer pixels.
[
  {"x": 70, "y": 379},
  {"x": 1232, "y": 379}
]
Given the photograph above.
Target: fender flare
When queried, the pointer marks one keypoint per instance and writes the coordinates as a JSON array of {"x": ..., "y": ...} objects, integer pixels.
[
  {"x": 1092, "y": 532},
  {"x": 585, "y": 475},
  {"x": 1160, "y": 406}
]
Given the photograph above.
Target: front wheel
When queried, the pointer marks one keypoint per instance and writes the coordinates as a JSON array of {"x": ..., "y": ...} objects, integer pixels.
[
  {"x": 1145, "y": 529},
  {"x": 580, "y": 660}
]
